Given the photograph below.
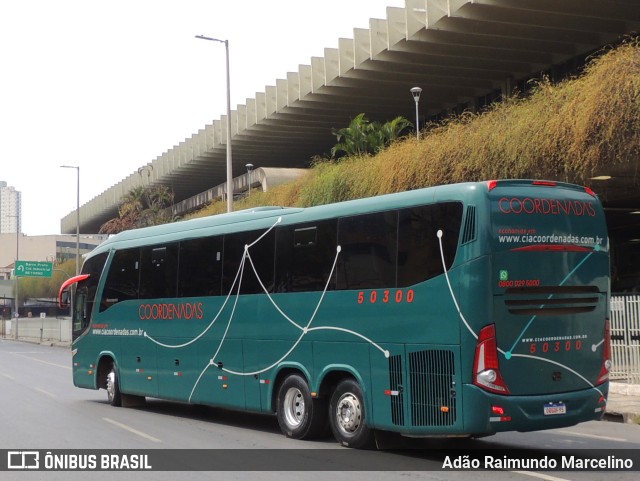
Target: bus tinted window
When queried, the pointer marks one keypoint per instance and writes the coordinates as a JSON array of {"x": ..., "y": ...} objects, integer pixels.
[
  {"x": 158, "y": 271},
  {"x": 305, "y": 254},
  {"x": 200, "y": 267},
  {"x": 122, "y": 280},
  {"x": 419, "y": 250},
  {"x": 369, "y": 248},
  {"x": 262, "y": 255}
]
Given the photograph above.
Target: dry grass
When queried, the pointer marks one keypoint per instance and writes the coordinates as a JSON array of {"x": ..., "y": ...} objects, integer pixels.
[{"x": 569, "y": 131}]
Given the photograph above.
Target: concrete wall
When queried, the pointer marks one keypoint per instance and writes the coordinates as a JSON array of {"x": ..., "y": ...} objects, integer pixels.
[{"x": 57, "y": 330}]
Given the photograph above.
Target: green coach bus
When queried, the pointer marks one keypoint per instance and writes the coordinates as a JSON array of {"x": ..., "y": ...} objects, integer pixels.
[{"x": 457, "y": 310}]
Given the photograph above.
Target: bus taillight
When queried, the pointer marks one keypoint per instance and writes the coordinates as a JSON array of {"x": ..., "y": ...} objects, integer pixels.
[
  {"x": 606, "y": 354},
  {"x": 486, "y": 370}
]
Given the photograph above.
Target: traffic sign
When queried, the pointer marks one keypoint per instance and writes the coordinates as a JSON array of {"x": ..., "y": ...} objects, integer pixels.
[{"x": 33, "y": 269}]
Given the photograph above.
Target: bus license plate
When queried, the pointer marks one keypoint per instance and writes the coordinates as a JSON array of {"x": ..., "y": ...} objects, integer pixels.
[{"x": 551, "y": 409}]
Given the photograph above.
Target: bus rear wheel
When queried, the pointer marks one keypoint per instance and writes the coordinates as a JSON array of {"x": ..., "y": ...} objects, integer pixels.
[
  {"x": 299, "y": 415},
  {"x": 114, "y": 396},
  {"x": 347, "y": 416}
]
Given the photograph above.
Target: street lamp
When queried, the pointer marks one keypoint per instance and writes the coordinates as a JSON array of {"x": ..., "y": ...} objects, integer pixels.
[
  {"x": 249, "y": 169},
  {"x": 77, "y": 214},
  {"x": 416, "y": 91},
  {"x": 229, "y": 168},
  {"x": 146, "y": 168}
]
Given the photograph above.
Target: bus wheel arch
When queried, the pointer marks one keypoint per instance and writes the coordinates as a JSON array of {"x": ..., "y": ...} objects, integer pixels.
[
  {"x": 108, "y": 378},
  {"x": 104, "y": 366},
  {"x": 300, "y": 416}
]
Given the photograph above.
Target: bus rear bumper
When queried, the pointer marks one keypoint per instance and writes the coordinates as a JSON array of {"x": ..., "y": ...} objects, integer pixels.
[{"x": 494, "y": 413}]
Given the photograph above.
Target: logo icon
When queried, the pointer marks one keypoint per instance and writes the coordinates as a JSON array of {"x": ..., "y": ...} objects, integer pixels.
[
  {"x": 504, "y": 275},
  {"x": 23, "y": 460}
]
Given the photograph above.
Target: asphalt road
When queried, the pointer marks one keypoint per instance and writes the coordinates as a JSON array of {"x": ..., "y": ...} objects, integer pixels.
[{"x": 40, "y": 409}]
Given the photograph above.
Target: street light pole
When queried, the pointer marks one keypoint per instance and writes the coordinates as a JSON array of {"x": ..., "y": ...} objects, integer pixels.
[
  {"x": 229, "y": 166},
  {"x": 416, "y": 91},
  {"x": 249, "y": 179},
  {"x": 77, "y": 167},
  {"x": 16, "y": 313}
]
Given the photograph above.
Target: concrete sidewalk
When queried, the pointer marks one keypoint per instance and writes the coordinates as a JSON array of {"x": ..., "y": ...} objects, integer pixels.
[{"x": 624, "y": 403}]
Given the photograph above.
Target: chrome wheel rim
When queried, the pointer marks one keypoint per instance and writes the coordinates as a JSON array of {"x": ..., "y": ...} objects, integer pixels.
[
  {"x": 294, "y": 408},
  {"x": 348, "y": 413},
  {"x": 111, "y": 384}
]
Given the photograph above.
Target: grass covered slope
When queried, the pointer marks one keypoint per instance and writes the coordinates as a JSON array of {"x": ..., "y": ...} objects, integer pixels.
[{"x": 567, "y": 131}]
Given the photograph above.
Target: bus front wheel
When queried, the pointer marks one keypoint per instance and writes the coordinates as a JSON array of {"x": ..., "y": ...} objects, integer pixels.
[
  {"x": 114, "y": 396},
  {"x": 299, "y": 415},
  {"x": 347, "y": 416}
]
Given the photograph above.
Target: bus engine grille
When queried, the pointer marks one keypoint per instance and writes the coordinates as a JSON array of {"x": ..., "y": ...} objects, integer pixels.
[
  {"x": 551, "y": 300},
  {"x": 433, "y": 401},
  {"x": 395, "y": 382}
]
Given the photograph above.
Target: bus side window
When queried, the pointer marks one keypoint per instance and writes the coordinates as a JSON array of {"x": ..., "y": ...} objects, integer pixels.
[
  {"x": 262, "y": 255},
  {"x": 369, "y": 250},
  {"x": 419, "y": 256},
  {"x": 122, "y": 279},
  {"x": 159, "y": 271},
  {"x": 200, "y": 267},
  {"x": 304, "y": 256}
]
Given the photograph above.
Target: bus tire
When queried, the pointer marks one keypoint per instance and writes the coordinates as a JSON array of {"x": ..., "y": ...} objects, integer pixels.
[
  {"x": 347, "y": 416},
  {"x": 299, "y": 415},
  {"x": 114, "y": 396}
]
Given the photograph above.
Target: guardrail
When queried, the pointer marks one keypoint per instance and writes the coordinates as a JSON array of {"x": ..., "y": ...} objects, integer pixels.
[{"x": 625, "y": 338}]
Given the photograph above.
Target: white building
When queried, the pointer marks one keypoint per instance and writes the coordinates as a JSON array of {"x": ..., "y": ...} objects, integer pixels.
[{"x": 10, "y": 209}]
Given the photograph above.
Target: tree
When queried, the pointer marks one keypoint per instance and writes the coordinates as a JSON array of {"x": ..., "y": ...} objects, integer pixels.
[
  {"x": 364, "y": 137},
  {"x": 141, "y": 207}
]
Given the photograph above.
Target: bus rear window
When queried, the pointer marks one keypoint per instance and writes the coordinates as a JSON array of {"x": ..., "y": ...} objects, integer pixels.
[{"x": 542, "y": 218}]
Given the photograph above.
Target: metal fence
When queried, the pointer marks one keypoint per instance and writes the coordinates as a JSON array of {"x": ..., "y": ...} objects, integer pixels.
[{"x": 625, "y": 338}]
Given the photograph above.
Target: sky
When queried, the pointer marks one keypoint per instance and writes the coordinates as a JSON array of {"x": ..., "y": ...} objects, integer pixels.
[{"x": 111, "y": 85}]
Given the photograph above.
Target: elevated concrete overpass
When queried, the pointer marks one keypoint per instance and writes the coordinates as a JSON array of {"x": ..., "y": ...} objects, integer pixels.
[{"x": 463, "y": 53}]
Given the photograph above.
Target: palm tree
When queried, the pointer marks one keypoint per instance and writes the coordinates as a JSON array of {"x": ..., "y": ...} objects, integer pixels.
[
  {"x": 364, "y": 137},
  {"x": 141, "y": 207}
]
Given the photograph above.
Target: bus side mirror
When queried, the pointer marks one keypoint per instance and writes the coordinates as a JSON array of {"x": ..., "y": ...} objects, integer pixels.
[
  {"x": 63, "y": 299},
  {"x": 64, "y": 295}
]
